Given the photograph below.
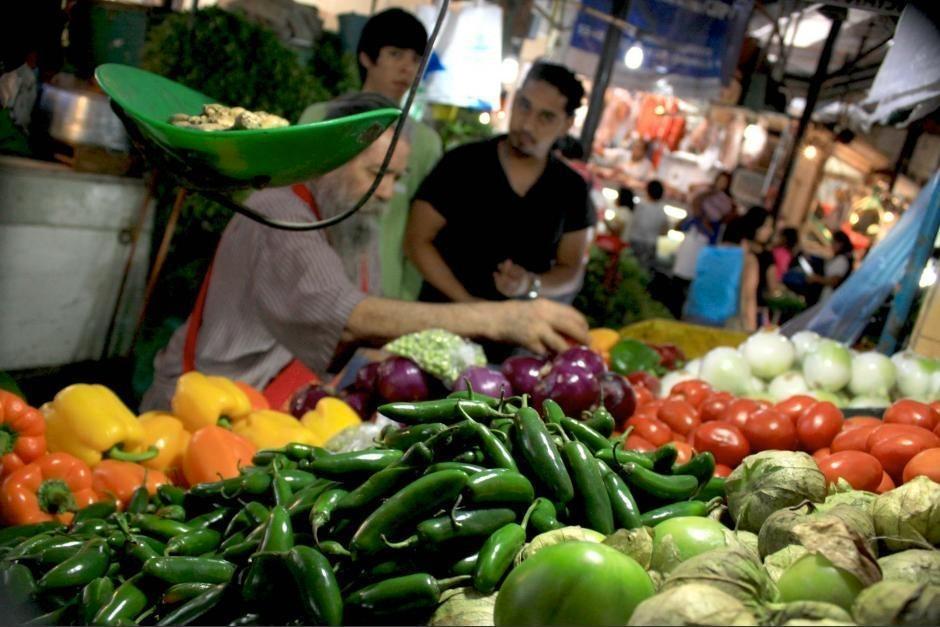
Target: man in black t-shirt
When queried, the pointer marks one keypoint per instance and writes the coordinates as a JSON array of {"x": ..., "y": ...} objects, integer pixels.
[{"x": 504, "y": 218}]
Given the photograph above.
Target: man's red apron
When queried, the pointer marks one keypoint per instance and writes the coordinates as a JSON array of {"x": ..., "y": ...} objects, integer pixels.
[{"x": 294, "y": 375}]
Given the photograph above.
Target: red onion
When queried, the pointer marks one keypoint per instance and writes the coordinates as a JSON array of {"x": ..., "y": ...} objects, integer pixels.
[
  {"x": 306, "y": 398},
  {"x": 484, "y": 381},
  {"x": 619, "y": 397},
  {"x": 365, "y": 378},
  {"x": 523, "y": 373},
  {"x": 583, "y": 357},
  {"x": 400, "y": 379},
  {"x": 572, "y": 387}
]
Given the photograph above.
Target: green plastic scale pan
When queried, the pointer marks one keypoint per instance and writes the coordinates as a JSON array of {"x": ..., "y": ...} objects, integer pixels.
[{"x": 228, "y": 160}]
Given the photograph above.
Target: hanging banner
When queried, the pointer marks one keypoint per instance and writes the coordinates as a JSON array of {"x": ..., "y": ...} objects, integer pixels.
[{"x": 687, "y": 48}]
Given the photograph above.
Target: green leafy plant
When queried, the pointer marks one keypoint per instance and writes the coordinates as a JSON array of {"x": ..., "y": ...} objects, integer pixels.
[{"x": 615, "y": 293}]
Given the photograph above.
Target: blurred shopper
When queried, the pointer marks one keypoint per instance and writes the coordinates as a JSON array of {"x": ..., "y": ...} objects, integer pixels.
[
  {"x": 835, "y": 269},
  {"x": 638, "y": 169},
  {"x": 504, "y": 218},
  {"x": 777, "y": 259},
  {"x": 714, "y": 206},
  {"x": 389, "y": 54},
  {"x": 649, "y": 222}
]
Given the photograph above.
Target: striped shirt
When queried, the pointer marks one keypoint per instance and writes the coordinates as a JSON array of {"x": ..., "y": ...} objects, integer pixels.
[{"x": 274, "y": 295}]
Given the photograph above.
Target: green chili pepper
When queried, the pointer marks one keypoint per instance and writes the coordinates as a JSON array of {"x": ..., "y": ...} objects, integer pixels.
[
  {"x": 55, "y": 617},
  {"x": 465, "y": 566},
  {"x": 332, "y": 547},
  {"x": 125, "y": 604},
  {"x": 172, "y": 512},
  {"x": 470, "y": 457},
  {"x": 143, "y": 548},
  {"x": 316, "y": 584},
  {"x": 544, "y": 516},
  {"x": 492, "y": 447},
  {"x": 586, "y": 435},
  {"x": 101, "y": 509},
  {"x": 170, "y": 494},
  {"x": 368, "y": 461},
  {"x": 591, "y": 493},
  {"x": 87, "y": 564},
  {"x": 664, "y": 457},
  {"x": 283, "y": 494},
  {"x": 179, "y": 569},
  {"x": 715, "y": 488},
  {"x": 195, "y": 542},
  {"x": 387, "y": 480},
  {"x": 470, "y": 469},
  {"x": 683, "y": 508},
  {"x": 542, "y": 456},
  {"x": 553, "y": 411},
  {"x": 615, "y": 460},
  {"x": 305, "y": 499},
  {"x": 58, "y": 553},
  {"x": 404, "y": 439},
  {"x": 298, "y": 479},
  {"x": 95, "y": 595},
  {"x": 400, "y": 594},
  {"x": 459, "y": 526},
  {"x": 469, "y": 395},
  {"x": 251, "y": 515},
  {"x": 297, "y": 451},
  {"x": 255, "y": 483},
  {"x": 701, "y": 466},
  {"x": 18, "y": 583},
  {"x": 161, "y": 526},
  {"x": 601, "y": 421},
  {"x": 210, "y": 519},
  {"x": 34, "y": 546},
  {"x": 90, "y": 526},
  {"x": 248, "y": 619},
  {"x": 497, "y": 553},
  {"x": 323, "y": 509},
  {"x": 195, "y": 607},
  {"x": 262, "y": 578},
  {"x": 12, "y": 535},
  {"x": 139, "y": 500},
  {"x": 177, "y": 593},
  {"x": 444, "y": 410},
  {"x": 279, "y": 532},
  {"x": 264, "y": 457},
  {"x": 498, "y": 485},
  {"x": 415, "y": 501},
  {"x": 625, "y": 510},
  {"x": 663, "y": 487}
]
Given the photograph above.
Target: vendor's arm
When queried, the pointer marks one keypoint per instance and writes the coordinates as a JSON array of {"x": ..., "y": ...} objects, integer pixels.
[
  {"x": 538, "y": 325},
  {"x": 424, "y": 223},
  {"x": 563, "y": 278}
]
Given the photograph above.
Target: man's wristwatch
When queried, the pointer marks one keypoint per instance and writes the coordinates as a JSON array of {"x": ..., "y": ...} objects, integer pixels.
[{"x": 535, "y": 287}]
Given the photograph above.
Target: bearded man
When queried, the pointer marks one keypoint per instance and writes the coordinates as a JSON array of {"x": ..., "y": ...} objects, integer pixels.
[{"x": 276, "y": 304}]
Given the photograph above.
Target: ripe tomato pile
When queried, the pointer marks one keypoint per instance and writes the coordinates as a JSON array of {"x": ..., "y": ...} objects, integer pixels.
[{"x": 869, "y": 453}]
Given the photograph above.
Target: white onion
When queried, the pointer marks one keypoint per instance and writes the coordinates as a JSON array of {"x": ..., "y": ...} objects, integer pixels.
[
  {"x": 768, "y": 353},
  {"x": 829, "y": 367},
  {"x": 805, "y": 342},
  {"x": 913, "y": 375},
  {"x": 672, "y": 379},
  {"x": 873, "y": 374},
  {"x": 726, "y": 369},
  {"x": 787, "y": 384}
]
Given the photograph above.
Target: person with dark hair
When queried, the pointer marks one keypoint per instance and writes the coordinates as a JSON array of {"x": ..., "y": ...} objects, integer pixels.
[
  {"x": 777, "y": 259},
  {"x": 649, "y": 222},
  {"x": 505, "y": 218},
  {"x": 276, "y": 305},
  {"x": 837, "y": 268},
  {"x": 389, "y": 54}
]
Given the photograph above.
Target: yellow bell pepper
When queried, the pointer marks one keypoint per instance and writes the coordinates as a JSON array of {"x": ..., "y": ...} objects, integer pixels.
[
  {"x": 167, "y": 434},
  {"x": 329, "y": 417},
  {"x": 88, "y": 421},
  {"x": 200, "y": 400},
  {"x": 272, "y": 429}
]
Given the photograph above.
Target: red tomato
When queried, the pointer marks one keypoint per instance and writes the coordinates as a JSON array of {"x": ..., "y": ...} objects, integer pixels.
[
  {"x": 739, "y": 410},
  {"x": 695, "y": 391},
  {"x": 852, "y": 439},
  {"x": 685, "y": 452},
  {"x": 680, "y": 437},
  {"x": 911, "y": 412},
  {"x": 715, "y": 406},
  {"x": 679, "y": 414},
  {"x": 887, "y": 432},
  {"x": 895, "y": 453},
  {"x": 724, "y": 440},
  {"x": 937, "y": 430},
  {"x": 636, "y": 443},
  {"x": 645, "y": 379},
  {"x": 860, "y": 469},
  {"x": 821, "y": 454},
  {"x": 650, "y": 410},
  {"x": 643, "y": 394},
  {"x": 818, "y": 425},
  {"x": 887, "y": 483},
  {"x": 722, "y": 471},
  {"x": 768, "y": 429},
  {"x": 794, "y": 406},
  {"x": 926, "y": 463},
  {"x": 861, "y": 421},
  {"x": 652, "y": 430}
]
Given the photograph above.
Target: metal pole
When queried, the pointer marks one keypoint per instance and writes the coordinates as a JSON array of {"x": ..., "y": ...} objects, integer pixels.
[
  {"x": 605, "y": 65},
  {"x": 836, "y": 15},
  {"x": 904, "y": 299}
]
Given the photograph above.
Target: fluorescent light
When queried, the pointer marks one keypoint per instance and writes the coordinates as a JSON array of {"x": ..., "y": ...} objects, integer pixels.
[
  {"x": 484, "y": 118},
  {"x": 810, "y": 152},
  {"x": 888, "y": 216},
  {"x": 929, "y": 276},
  {"x": 755, "y": 138},
  {"x": 610, "y": 214},
  {"x": 509, "y": 70},
  {"x": 610, "y": 194},
  {"x": 676, "y": 236},
  {"x": 633, "y": 58},
  {"x": 772, "y": 58},
  {"x": 676, "y": 213}
]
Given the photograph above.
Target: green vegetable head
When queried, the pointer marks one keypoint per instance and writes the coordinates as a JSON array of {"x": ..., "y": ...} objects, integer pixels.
[
  {"x": 692, "y": 604},
  {"x": 557, "y": 536},
  {"x": 678, "y": 539},
  {"x": 464, "y": 606},
  {"x": 809, "y": 613},
  {"x": 898, "y": 603},
  {"x": 912, "y": 565},
  {"x": 731, "y": 570},
  {"x": 909, "y": 516}
]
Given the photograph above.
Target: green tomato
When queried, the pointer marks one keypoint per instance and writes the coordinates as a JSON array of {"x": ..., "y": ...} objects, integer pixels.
[
  {"x": 678, "y": 539},
  {"x": 575, "y": 583},
  {"x": 815, "y": 578}
]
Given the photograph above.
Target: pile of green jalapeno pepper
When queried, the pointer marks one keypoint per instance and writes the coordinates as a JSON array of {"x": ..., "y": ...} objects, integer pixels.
[{"x": 305, "y": 536}]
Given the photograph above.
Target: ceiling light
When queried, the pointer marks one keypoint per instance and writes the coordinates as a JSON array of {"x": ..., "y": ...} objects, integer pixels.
[
  {"x": 610, "y": 214},
  {"x": 676, "y": 213},
  {"x": 610, "y": 194},
  {"x": 676, "y": 236},
  {"x": 633, "y": 58},
  {"x": 484, "y": 118},
  {"x": 810, "y": 152},
  {"x": 772, "y": 58},
  {"x": 888, "y": 217},
  {"x": 853, "y": 219},
  {"x": 872, "y": 229},
  {"x": 929, "y": 276},
  {"x": 509, "y": 70}
]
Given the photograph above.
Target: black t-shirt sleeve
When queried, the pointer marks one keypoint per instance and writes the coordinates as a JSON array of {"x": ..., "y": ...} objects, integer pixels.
[
  {"x": 579, "y": 212},
  {"x": 437, "y": 189}
]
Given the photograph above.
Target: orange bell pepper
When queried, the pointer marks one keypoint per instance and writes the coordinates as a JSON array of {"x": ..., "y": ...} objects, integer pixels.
[
  {"x": 50, "y": 488},
  {"x": 256, "y": 398},
  {"x": 118, "y": 480},
  {"x": 167, "y": 434},
  {"x": 22, "y": 433},
  {"x": 215, "y": 453}
]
